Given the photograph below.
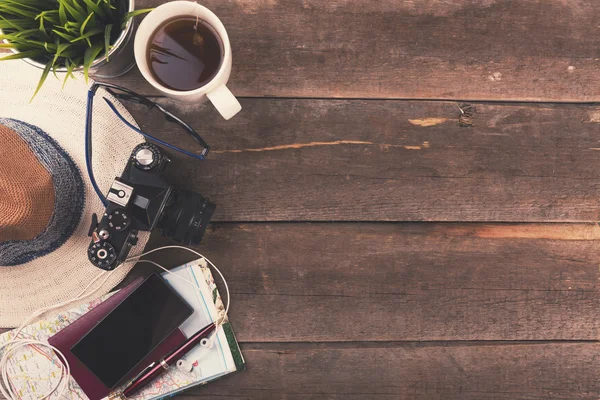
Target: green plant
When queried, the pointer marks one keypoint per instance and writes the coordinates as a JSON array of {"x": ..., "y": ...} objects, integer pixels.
[{"x": 62, "y": 33}]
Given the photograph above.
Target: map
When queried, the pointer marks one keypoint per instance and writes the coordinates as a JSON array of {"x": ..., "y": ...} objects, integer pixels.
[{"x": 33, "y": 371}]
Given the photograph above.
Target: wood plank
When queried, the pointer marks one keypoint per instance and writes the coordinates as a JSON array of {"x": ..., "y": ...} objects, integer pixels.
[
  {"x": 409, "y": 281},
  {"x": 536, "y": 50},
  {"x": 348, "y": 160},
  {"x": 446, "y": 371},
  {"x": 396, "y": 282},
  {"x": 413, "y": 371}
]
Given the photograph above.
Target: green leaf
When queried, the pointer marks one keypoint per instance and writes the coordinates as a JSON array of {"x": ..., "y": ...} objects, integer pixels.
[
  {"x": 54, "y": 67},
  {"x": 41, "y": 17},
  {"x": 71, "y": 27},
  {"x": 31, "y": 43},
  {"x": 42, "y": 80},
  {"x": 70, "y": 67},
  {"x": 85, "y": 23},
  {"x": 52, "y": 16},
  {"x": 106, "y": 6},
  {"x": 42, "y": 35},
  {"x": 94, "y": 7},
  {"x": 77, "y": 6},
  {"x": 135, "y": 13},
  {"x": 90, "y": 33},
  {"x": 107, "y": 30},
  {"x": 26, "y": 32},
  {"x": 62, "y": 13},
  {"x": 69, "y": 33},
  {"x": 90, "y": 55},
  {"x": 16, "y": 10},
  {"x": 20, "y": 47},
  {"x": 80, "y": 17},
  {"x": 60, "y": 49},
  {"x": 22, "y": 4},
  {"x": 24, "y": 54},
  {"x": 35, "y": 4},
  {"x": 17, "y": 24},
  {"x": 71, "y": 52},
  {"x": 64, "y": 35}
]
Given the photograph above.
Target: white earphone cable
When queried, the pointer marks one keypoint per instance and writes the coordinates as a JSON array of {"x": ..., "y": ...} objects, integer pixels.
[
  {"x": 137, "y": 258},
  {"x": 8, "y": 348},
  {"x": 12, "y": 345}
]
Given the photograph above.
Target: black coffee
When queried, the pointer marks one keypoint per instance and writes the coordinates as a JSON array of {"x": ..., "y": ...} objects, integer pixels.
[{"x": 184, "y": 54}]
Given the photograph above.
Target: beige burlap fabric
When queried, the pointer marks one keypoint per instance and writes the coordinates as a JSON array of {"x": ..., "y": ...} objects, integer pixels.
[{"x": 62, "y": 274}]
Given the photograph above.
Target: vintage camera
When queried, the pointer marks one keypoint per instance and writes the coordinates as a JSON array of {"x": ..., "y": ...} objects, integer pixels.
[{"x": 141, "y": 200}]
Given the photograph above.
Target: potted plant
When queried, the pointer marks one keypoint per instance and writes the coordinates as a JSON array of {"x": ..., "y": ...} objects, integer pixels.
[{"x": 65, "y": 35}]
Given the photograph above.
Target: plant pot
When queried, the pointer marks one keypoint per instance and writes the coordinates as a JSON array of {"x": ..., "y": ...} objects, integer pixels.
[{"x": 119, "y": 60}]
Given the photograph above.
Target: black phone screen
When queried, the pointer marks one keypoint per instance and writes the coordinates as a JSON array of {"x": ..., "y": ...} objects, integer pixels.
[{"x": 132, "y": 330}]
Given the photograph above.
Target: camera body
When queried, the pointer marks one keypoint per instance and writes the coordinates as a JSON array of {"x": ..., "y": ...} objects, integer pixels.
[{"x": 141, "y": 200}]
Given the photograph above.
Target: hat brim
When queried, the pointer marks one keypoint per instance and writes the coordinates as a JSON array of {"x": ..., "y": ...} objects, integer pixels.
[{"x": 62, "y": 274}]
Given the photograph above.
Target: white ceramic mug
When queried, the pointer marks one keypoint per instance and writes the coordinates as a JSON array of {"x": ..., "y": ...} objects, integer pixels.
[{"x": 215, "y": 90}]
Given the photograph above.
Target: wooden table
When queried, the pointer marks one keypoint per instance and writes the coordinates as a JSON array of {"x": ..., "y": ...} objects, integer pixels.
[{"x": 407, "y": 202}]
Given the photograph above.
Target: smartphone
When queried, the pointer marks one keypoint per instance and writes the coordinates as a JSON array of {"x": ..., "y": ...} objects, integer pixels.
[{"x": 113, "y": 348}]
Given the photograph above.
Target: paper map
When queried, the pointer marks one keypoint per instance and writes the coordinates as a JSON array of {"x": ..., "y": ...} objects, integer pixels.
[{"x": 33, "y": 371}]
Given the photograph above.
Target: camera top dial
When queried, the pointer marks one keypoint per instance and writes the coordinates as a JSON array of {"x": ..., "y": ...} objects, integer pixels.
[
  {"x": 118, "y": 219},
  {"x": 147, "y": 157},
  {"x": 102, "y": 255}
]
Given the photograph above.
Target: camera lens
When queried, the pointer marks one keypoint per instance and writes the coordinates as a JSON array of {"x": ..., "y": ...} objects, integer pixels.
[{"x": 186, "y": 217}]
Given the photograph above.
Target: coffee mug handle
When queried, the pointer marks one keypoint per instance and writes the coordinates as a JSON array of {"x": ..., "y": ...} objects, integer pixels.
[{"x": 224, "y": 101}]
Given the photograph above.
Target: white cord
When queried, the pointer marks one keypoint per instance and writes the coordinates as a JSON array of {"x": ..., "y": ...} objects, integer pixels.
[
  {"x": 223, "y": 316},
  {"x": 136, "y": 258},
  {"x": 15, "y": 343},
  {"x": 64, "y": 379}
]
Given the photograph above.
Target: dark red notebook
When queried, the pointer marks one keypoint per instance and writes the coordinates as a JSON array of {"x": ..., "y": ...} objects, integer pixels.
[{"x": 67, "y": 337}]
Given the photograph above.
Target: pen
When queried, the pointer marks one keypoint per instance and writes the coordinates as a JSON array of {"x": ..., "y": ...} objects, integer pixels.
[{"x": 158, "y": 367}]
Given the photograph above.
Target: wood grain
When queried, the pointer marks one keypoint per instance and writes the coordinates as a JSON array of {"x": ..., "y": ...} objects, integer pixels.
[
  {"x": 350, "y": 298},
  {"x": 535, "y": 50},
  {"x": 410, "y": 371},
  {"x": 396, "y": 282},
  {"x": 396, "y": 310},
  {"x": 413, "y": 371},
  {"x": 366, "y": 160}
]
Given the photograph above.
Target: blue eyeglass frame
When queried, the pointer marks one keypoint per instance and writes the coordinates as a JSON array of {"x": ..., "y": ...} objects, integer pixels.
[{"x": 130, "y": 95}]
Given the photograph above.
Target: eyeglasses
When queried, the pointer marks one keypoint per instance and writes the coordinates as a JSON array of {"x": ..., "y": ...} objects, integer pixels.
[{"x": 127, "y": 95}]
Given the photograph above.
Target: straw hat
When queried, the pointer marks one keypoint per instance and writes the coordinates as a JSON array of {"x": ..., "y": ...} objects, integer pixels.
[{"x": 46, "y": 198}]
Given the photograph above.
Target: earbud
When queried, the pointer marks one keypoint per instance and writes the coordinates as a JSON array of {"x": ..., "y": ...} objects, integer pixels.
[{"x": 185, "y": 366}]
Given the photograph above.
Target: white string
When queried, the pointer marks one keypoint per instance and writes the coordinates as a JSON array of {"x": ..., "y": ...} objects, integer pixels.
[
  {"x": 15, "y": 343},
  {"x": 136, "y": 258},
  {"x": 64, "y": 379},
  {"x": 222, "y": 317}
]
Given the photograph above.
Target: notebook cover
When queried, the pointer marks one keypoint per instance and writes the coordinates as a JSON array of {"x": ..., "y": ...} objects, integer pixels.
[{"x": 67, "y": 337}]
